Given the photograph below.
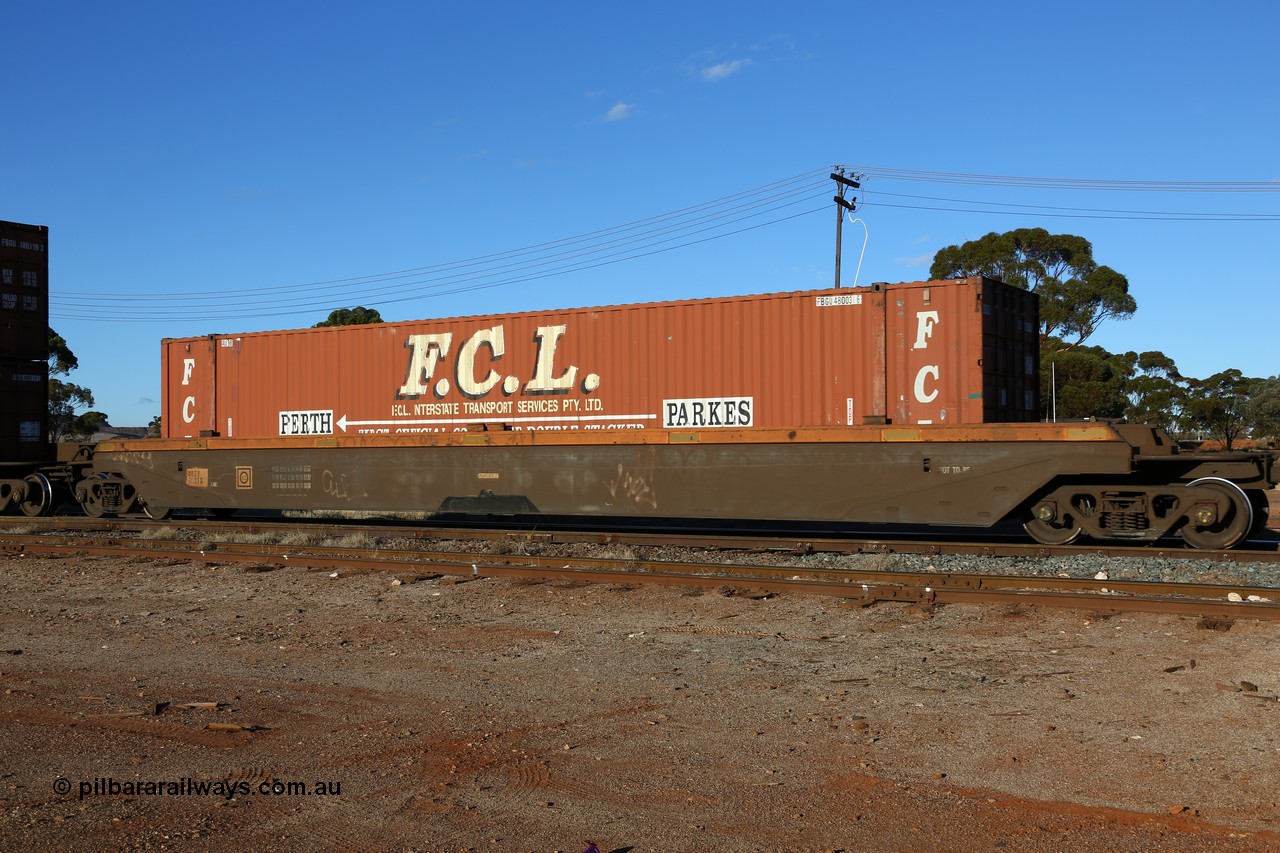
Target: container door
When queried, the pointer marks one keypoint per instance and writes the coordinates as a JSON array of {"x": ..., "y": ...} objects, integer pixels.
[
  {"x": 189, "y": 402},
  {"x": 934, "y": 359}
]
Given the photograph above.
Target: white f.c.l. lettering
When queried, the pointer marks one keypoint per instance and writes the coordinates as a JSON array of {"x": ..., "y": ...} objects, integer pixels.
[
  {"x": 467, "y": 382},
  {"x": 548, "y": 337},
  {"x": 925, "y": 321},
  {"x": 921, "y": 395},
  {"x": 189, "y": 404},
  {"x": 425, "y": 354}
]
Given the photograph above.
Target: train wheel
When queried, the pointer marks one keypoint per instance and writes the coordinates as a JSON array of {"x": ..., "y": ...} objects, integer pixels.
[
  {"x": 157, "y": 513},
  {"x": 90, "y": 501},
  {"x": 1261, "y": 510},
  {"x": 1062, "y": 532},
  {"x": 1228, "y": 528},
  {"x": 1062, "y": 527},
  {"x": 39, "y": 499}
]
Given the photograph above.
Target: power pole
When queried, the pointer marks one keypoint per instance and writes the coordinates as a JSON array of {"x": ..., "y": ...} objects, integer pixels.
[{"x": 842, "y": 204}]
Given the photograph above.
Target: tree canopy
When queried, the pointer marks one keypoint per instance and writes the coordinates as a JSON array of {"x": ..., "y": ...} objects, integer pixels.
[
  {"x": 1220, "y": 405},
  {"x": 1086, "y": 382},
  {"x": 358, "y": 316},
  {"x": 1076, "y": 296},
  {"x": 1076, "y": 293},
  {"x": 65, "y": 398},
  {"x": 1157, "y": 392},
  {"x": 1263, "y": 407}
]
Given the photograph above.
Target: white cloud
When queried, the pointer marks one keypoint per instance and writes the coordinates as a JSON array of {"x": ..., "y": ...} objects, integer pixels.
[
  {"x": 723, "y": 70},
  {"x": 619, "y": 112}
]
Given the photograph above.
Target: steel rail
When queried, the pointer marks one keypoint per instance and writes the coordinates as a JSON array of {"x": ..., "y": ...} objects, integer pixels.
[
  {"x": 1263, "y": 550},
  {"x": 923, "y": 588}
]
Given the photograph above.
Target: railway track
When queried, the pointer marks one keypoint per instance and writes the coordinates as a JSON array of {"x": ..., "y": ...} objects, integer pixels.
[
  {"x": 471, "y": 556},
  {"x": 1264, "y": 549}
]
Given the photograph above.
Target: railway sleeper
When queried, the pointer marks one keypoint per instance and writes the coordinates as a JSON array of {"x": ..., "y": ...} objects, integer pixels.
[{"x": 1209, "y": 513}]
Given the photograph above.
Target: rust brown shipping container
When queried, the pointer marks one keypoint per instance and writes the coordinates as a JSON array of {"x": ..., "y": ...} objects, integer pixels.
[
  {"x": 943, "y": 352},
  {"x": 24, "y": 291},
  {"x": 24, "y": 388}
]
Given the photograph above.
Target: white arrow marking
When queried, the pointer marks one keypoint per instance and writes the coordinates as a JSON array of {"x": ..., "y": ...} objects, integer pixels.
[{"x": 343, "y": 422}]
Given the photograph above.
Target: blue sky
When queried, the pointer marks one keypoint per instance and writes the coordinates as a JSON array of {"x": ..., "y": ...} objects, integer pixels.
[{"x": 249, "y": 151}]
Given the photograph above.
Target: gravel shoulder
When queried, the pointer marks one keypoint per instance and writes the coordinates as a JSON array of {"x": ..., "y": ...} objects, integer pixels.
[{"x": 501, "y": 715}]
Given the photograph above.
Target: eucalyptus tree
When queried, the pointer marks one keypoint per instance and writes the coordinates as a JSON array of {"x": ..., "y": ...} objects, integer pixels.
[
  {"x": 1157, "y": 393},
  {"x": 66, "y": 422},
  {"x": 1076, "y": 293},
  {"x": 358, "y": 316},
  {"x": 1221, "y": 405}
]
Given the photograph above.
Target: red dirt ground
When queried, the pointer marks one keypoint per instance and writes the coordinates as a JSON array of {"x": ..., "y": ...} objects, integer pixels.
[{"x": 498, "y": 715}]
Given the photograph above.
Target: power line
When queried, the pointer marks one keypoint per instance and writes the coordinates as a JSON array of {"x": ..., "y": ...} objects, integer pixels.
[
  {"x": 1188, "y": 218},
  {"x": 807, "y": 181},
  {"x": 446, "y": 273},
  {"x": 462, "y": 284},
  {"x": 887, "y": 173},
  {"x": 1154, "y": 215},
  {"x": 692, "y": 225}
]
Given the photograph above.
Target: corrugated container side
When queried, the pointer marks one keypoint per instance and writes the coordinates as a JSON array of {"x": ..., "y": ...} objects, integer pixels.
[
  {"x": 911, "y": 353},
  {"x": 24, "y": 291},
  {"x": 24, "y": 428}
]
